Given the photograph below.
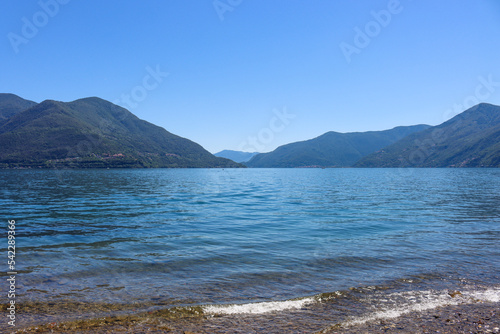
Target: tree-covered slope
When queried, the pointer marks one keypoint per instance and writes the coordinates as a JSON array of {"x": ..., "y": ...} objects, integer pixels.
[
  {"x": 93, "y": 132},
  {"x": 332, "y": 149},
  {"x": 11, "y": 104},
  {"x": 470, "y": 139}
]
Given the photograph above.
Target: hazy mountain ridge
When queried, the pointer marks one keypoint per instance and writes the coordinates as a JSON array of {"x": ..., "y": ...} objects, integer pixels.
[
  {"x": 470, "y": 139},
  {"x": 332, "y": 149},
  {"x": 92, "y": 132},
  {"x": 236, "y": 156}
]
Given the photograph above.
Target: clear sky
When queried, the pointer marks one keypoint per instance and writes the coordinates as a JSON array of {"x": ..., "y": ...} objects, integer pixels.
[{"x": 256, "y": 74}]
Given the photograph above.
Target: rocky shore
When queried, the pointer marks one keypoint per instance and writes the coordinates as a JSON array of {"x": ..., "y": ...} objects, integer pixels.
[{"x": 463, "y": 318}]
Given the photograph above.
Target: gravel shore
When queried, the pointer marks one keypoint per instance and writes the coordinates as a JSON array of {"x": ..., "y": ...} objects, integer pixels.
[{"x": 464, "y": 318}]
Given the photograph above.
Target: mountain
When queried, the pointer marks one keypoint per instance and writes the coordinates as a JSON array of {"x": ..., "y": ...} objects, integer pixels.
[
  {"x": 470, "y": 139},
  {"x": 92, "y": 133},
  {"x": 332, "y": 149},
  {"x": 11, "y": 104},
  {"x": 236, "y": 156}
]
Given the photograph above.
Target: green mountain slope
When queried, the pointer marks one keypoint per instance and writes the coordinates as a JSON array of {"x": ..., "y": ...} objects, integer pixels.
[
  {"x": 332, "y": 149},
  {"x": 11, "y": 104},
  {"x": 470, "y": 139},
  {"x": 94, "y": 133}
]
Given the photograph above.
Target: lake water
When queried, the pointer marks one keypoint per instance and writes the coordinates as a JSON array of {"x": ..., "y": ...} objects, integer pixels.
[{"x": 249, "y": 241}]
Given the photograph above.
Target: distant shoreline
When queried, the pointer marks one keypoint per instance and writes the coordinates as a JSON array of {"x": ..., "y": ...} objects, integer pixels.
[{"x": 243, "y": 167}]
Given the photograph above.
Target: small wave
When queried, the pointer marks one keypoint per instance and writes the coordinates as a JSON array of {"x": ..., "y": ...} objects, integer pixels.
[
  {"x": 489, "y": 295},
  {"x": 259, "y": 308},
  {"x": 418, "y": 301}
]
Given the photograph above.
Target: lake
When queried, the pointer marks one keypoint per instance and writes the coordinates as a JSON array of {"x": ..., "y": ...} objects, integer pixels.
[{"x": 253, "y": 241}]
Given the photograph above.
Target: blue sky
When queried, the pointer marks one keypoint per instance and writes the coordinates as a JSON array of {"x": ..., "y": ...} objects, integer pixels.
[{"x": 255, "y": 74}]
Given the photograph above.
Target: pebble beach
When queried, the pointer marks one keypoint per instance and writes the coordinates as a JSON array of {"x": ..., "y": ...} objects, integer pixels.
[{"x": 481, "y": 317}]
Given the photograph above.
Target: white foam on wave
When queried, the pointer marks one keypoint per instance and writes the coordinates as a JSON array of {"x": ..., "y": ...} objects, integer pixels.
[
  {"x": 399, "y": 304},
  {"x": 258, "y": 308},
  {"x": 489, "y": 295}
]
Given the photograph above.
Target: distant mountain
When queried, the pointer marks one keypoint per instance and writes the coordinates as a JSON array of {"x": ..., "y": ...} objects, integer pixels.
[
  {"x": 332, "y": 149},
  {"x": 91, "y": 133},
  {"x": 11, "y": 104},
  {"x": 470, "y": 139},
  {"x": 236, "y": 156}
]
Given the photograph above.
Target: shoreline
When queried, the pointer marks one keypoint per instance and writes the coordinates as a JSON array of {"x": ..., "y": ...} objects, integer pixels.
[
  {"x": 476, "y": 317},
  {"x": 481, "y": 317},
  {"x": 425, "y": 305}
]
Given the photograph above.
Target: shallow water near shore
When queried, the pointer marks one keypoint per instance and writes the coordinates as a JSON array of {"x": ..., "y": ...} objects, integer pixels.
[{"x": 342, "y": 243}]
